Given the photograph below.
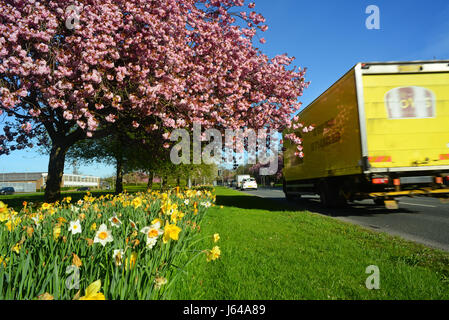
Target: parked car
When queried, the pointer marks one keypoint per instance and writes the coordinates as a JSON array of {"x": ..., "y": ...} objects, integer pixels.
[
  {"x": 7, "y": 191},
  {"x": 240, "y": 179},
  {"x": 83, "y": 189},
  {"x": 249, "y": 184}
]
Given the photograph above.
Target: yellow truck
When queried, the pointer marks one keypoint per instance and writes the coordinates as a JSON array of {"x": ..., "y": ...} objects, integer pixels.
[{"x": 380, "y": 132}]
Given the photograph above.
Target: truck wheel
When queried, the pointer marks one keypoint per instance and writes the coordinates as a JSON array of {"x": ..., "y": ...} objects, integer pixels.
[
  {"x": 331, "y": 195},
  {"x": 289, "y": 197},
  {"x": 379, "y": 201}
]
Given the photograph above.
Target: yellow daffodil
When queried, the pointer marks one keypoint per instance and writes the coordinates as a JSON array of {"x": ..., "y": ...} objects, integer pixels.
[
  {"x": 46, "y": 206},
  {"x": 216, "y": 237},
  {"x": 12, "y": 223},
  {"x": 17, "y": 247},
  {"x": 156, "y": 221},
  {"x": 171, "y": 231},
  {"x": 93, "y": 226},
  {"x": 45, "y": 296},
  {"x": 131, "y": 261},
  {"x": 213, "y": 254},
  {"x": 137, "y": 202},
  {"x": 3, "y": 261},
  {"x": 92, "y": 292},
  {"x": 76, "y": 261},
  {"x": 56, "y": 232},
  {"x": 176, "y": 216}
]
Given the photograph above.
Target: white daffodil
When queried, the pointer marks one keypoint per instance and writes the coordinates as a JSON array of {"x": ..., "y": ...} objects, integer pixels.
[
  {"x": 152, "y": 232},
  {"x": 151, "y": 242},
  {"x": 74, "y": 209},
  {"x": 103, "y": 235},
  {"x": 133, "y": 224},
  {"x": 75, "y": 227},
  {"x": 206, "y": 204},
  {"x": 118, "y": 256},
  {"x": 36, "y": 220},
  {"x": 115, "y": 222},
  {"x": 186, "y": 202}
]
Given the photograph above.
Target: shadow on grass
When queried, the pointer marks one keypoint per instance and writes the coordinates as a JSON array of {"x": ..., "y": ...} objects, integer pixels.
[{"x": 305, "y": 204}]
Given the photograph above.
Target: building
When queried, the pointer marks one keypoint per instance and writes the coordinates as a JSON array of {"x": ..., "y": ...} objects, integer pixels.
[{"x": 32, "y": 181}]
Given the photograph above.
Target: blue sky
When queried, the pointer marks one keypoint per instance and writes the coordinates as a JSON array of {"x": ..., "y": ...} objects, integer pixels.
[{"x": 328, "y": 37}]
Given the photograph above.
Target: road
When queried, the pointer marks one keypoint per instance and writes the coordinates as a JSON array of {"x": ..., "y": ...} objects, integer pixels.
[{"x": 420, "y": 219}]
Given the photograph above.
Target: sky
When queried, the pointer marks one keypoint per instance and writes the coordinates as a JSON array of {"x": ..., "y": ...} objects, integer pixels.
[{"x": 328, "y": 37}]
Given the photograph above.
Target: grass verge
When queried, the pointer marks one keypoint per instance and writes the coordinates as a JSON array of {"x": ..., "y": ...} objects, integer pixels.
[{"x": 271, "y": 253}]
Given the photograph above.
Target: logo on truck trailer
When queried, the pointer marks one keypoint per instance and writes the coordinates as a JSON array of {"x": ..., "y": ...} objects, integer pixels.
[{"x": 410, "y": 103}]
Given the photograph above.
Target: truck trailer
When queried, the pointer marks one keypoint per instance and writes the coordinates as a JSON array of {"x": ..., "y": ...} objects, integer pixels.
[{"x": 380, "y": 132}]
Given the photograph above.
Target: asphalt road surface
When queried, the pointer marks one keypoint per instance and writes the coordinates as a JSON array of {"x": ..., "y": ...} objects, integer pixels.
[{"x": 419, "y": 219}]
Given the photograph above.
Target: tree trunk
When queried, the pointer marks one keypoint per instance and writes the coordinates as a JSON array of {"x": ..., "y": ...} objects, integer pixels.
[
  {"x": 119, "y": 176},
  {"x": 178, "y": 182},
  {"x": 165, "y": 182},
  {"x": 150, "y": 181},
  {"x": 55, "y": 173}
]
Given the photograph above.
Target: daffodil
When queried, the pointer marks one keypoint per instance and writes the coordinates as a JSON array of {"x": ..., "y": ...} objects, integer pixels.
[
  {"x": 176, "y": 216},
  {"x": 4, "y": 212},
  {"x": 75, "y": 227},
  {"x": 206, "y": 204},
  {"x": 92, "y": 292},
  {"x": 156, "y": 221},
  {"x": 56, "y": 232},
  {"x": 46, "y": 206},
  {"x": 103, "y": 235},
  {"x": 3, "y": 261},
  {"x": 171, "y": 231},
  {"x": 136, "y": 202},
  {"x": 93, "y": 226},
  {"x": 216, "y": 237},
  {"x": 118, "y": 256},
  {"x": 213, "y": 254},
  {"x": 115, "y": 222},
  {"x": 12, "y": 223},
  {"x": 130, "y": 262},
  {"x": 152, "y": 233},
  {"x": 17, "y": 247},
  {"x": 159, "y": 282},
  {"x": 133, "y": 224}
]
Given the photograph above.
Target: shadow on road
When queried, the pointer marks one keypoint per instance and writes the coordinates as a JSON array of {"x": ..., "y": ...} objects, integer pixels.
[{"x": 306, "y": 204}]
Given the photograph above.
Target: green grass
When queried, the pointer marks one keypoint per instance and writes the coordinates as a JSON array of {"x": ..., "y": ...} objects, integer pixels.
[{"x": 270, "y": 253}]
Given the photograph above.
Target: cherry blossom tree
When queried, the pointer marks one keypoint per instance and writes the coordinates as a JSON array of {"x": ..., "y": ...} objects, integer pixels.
[{"x": 70, "y": 70}]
